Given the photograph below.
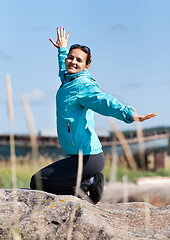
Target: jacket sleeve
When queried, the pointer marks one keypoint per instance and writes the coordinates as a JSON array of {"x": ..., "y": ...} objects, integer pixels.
[
  {"x": 62, "y": 54},
  {"x": 90, "y": 96}
]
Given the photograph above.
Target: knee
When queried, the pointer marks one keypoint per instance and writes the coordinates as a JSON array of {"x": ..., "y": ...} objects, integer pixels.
[{"x": 32, "y": 182}]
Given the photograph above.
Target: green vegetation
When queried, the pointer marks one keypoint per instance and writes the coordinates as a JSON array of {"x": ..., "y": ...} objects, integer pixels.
[
  {"x": 24, "y": 172},
  {"x": 26, "y": 169},
  {"x": 132, "y": 175}
]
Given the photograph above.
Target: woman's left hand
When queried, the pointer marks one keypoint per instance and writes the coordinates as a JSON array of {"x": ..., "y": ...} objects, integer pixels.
[
  {"x": 140, "y": 118},
  {"x": 61, "y": 39}
]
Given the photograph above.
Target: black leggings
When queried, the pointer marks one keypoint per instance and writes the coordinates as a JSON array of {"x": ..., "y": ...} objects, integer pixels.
[{"x": 60, "y": 176}]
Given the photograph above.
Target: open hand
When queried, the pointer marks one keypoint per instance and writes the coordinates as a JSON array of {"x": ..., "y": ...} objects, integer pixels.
[
  {"x": 61, "y": 39},
  {"x": 140, "y": 118}
]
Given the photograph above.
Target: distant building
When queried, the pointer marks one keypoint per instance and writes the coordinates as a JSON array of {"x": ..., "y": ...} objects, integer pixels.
[
  {"x": 45, "y": 132},
  {"x": 48, "y": 132}
]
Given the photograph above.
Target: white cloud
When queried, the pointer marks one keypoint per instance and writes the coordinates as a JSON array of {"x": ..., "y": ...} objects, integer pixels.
[{"x": 37, "y": 95}]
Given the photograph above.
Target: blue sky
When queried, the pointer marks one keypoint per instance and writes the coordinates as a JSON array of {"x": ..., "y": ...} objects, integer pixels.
[{"x": 130, "y": 47}]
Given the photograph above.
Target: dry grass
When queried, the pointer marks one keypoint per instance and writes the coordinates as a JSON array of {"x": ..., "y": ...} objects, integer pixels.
[{"x": 125, "y": 146}]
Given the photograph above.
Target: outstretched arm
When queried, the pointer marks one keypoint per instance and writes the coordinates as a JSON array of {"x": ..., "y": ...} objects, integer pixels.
[
  {"x": 90, "y": 96},
  {"x": 61, "y": 44}
]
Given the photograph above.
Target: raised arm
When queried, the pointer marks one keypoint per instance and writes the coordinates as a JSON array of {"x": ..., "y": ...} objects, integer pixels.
[{"x": 61, "y": 44}]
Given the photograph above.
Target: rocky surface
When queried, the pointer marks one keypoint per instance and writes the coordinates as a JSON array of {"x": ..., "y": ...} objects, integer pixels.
[{"x": 27, "y": 214}]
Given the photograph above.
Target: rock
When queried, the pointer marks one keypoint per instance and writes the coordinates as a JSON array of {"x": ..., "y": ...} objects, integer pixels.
[
  {"x": 27, "y": 214},
  {"x": 158, "y": 194}
]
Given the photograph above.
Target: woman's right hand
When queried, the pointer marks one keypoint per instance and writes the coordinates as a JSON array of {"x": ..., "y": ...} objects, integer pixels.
[
  {"x": 61, "y": 39},
  {"x": 141, "y": 118}
]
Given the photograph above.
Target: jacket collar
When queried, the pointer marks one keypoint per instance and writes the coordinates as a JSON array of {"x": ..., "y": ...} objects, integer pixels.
[{"x": 70, "y": 77}]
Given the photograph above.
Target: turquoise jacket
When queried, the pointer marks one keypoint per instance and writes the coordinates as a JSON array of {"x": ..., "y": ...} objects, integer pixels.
[{"x": 77, "y": 99}]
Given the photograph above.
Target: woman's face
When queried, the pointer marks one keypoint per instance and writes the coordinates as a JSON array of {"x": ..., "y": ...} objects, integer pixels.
[{"x": 76, "y": 61}]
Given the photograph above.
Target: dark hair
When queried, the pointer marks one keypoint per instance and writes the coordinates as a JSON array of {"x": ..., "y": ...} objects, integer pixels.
[{"x": 84, "y": 49}]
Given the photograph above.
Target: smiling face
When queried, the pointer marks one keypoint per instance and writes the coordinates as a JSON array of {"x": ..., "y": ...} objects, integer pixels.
[{"x": 76, "y": 61}]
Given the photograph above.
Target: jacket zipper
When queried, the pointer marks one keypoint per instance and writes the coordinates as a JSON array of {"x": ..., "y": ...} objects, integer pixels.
[{"x": 69, "y": 130}]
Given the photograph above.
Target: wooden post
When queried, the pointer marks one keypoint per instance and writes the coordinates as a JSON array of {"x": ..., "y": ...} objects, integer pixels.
[{"x": 159, "y": 160}]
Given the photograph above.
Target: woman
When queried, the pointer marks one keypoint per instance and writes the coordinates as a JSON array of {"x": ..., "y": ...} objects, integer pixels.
[{"x": 77, "y": 99}]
